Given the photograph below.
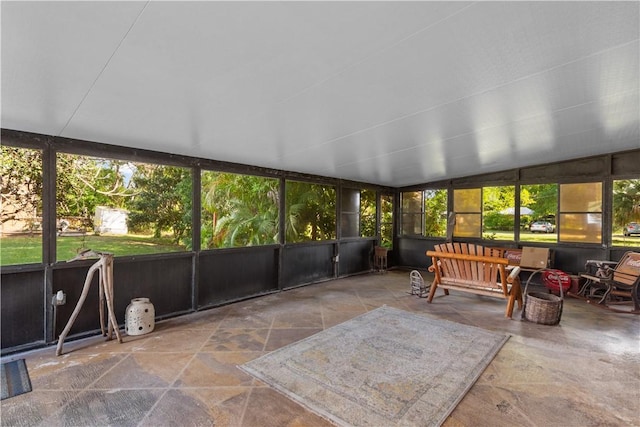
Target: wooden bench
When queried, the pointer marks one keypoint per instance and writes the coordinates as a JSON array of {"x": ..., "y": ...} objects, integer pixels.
[
  {"x": 607, "y": 281},
  {"x": 474, "y": 269}
]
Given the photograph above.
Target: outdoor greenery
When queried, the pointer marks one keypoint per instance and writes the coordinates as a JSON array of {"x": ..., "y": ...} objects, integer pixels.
[
  {"x": 386, "y": 220},
  {"x": 367, "y": 213},
  {"x": 83, "y": 183},
  {"x": 162, "y": 202},
  {"x": 244, "y": 210},
  {"x": 310, "y": 212},
  {"x": 435, "y": 208},
  {"x": 626, "y": 202},
  {"x": 238, "y": 210},
  {"x": 21, "y": 184},
  {"x": 25, "y": 249}
]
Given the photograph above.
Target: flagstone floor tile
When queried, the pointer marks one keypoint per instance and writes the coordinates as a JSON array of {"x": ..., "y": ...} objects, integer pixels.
[{"x": 583, "y": 372}]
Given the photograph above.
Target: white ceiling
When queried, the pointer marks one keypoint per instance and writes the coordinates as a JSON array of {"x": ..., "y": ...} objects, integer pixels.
[{"x": 392, "y": 93}]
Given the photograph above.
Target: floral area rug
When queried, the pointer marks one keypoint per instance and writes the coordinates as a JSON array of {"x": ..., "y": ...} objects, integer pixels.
[{"x": 387, "y": 367}]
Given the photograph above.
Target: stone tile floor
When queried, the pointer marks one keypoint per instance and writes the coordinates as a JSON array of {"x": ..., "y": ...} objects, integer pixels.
[{"x": 584, "y": 372}]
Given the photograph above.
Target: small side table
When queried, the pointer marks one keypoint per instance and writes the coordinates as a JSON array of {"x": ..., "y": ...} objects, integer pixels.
[{"x": 380, "y": 259}]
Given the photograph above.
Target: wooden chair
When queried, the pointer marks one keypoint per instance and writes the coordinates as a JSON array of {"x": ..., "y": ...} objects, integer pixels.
[{"x": 612, "y": 283}]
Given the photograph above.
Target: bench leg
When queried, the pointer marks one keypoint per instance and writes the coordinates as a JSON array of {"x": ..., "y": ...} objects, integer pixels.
[
  {"x": 518, "y": 291},
  {"x": 510, "y": 304},
  {"x": 432, "y": 291}
]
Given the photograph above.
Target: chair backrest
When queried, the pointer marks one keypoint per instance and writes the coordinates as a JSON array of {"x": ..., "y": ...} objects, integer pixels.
[{"x": 627, "y": 270}]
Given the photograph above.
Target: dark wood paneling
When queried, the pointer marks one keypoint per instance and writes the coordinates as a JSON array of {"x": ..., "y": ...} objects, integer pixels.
[
  {"x": 166, "y": 281},
  {"x": 23, "y": 311},
  {"x": 594, "y": 167},
  {"x": 355, "y": 257},
  {"x": 497, "y": 178},
  {"x": 626, "y": 163},
  {"x": 411, "y": 252},
  {"x": 304, "y": 264},
  {"x": 228, "y": 275}
]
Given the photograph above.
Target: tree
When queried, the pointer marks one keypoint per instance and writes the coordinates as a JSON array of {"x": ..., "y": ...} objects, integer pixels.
[
  {"x": 83, "y": 183},
  {"x": 311, "y": 212},
  {"x": 367, "y": 213},
  {"x": 435, "y": 204},
  {"x": 542, "y": 199},
  {"x": 162, "y": 202},
  {"x": 626, "y": 201},
  {"x": 21, "y": 184},
  {"x": 239, "y": 210}
]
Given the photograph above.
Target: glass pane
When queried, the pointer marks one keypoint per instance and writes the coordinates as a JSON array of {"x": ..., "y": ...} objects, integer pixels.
[
  {"x": 350, "y": 200},
  {"x": 576, "y": 201},
  {"x": 311, "y": 212},
  {"x": 238, "y": 210},
  {"x": 585, "y": 228},
  {"x": 412, "y": 202},
  {"x": 122, "y": 207},
  {"x": 21, "y": 186},
  {"x": 411, "y": 213},
  {"x": 386, "y": 221},
  {"x": 367, "y": 213},
  {"x": 350, "y": 216},
  {"x": 582, "y": 197},
  {"x": 467, "y": 200},
  {"x": 435, "y": 208},
  {"x": 539, "y": 205},
  {"x": 498, "y": 212},
  {"x": 412, "y": 224},
  {"x": 467, "y": 225},
  {"x": 350, "y": 225},
  {"x": 626, "y": 213}
]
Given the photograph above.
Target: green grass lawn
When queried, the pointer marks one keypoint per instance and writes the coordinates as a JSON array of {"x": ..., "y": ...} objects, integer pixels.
[
  {"x": 527, "y": 236},
  {"x": 28, "y": 249}
]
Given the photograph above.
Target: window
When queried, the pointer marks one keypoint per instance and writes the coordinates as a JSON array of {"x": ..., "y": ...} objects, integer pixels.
[
  {"x": 539, "y": 207},
  {"x": 412, "y": 213},
  {"x": 21, "y": 214},
  {"x": 310, "y": 212},
  {"x": 386, "y": 220},
  {"x": 580, "y": 218},
  {"x": 435, "y": 210},
  {"x": 238, "y": 210},
  {"x": 350, "y": 214},
  {"x": 367, "y": 213},
  {"x": 467, "y": 205},
  {"x": 424, "y": 213},
  {"x": 498, "y": 212},
  {"x": 626, "y": 213},
  {"x": 122, "y": 207}
]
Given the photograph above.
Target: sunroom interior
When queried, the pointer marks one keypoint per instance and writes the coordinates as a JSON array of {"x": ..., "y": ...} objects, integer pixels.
[{"x": 226, "y": 152}]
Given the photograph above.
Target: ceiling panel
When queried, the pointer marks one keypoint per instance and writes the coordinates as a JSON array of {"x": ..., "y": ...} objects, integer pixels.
[{"x": 393, "y": 93}]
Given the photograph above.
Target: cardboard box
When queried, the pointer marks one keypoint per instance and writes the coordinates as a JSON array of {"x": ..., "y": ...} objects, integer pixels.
[{"x": 535, "y": 258}]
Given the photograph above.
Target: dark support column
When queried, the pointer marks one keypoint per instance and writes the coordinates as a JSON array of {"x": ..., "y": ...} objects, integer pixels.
[
  {"x": 282, "y": 226},
  {"x": 49, "y": 234},
  {"x": 196, "y": 222}
]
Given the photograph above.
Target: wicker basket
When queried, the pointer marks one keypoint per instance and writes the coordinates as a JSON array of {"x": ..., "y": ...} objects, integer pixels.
[{"x": 545, "y": 309}]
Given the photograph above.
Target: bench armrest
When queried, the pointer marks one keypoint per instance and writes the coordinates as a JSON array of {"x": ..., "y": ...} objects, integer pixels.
[
  {"x": 514, "y": 273},
  {"x": 432, "y": 267}
]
